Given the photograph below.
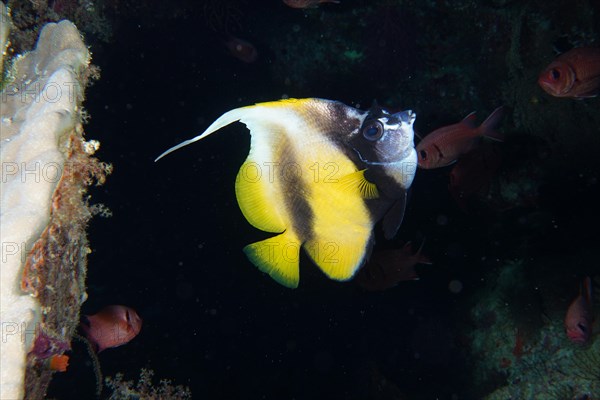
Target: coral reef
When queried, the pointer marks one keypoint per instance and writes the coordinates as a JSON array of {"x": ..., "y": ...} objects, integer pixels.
[
  {"x": 145, "y": 389},
  {"x": 46, "y": 169},
  {"x": 519, "y": 345},
  {"x": 223, "y": 16},
  {"x": 303, "y": 56},
  {"x": 557, "y": 373},
  {"x": 29, "y": 17},
  {"x": 4, "y": 29},
  {"x": 442, "y": 58}
]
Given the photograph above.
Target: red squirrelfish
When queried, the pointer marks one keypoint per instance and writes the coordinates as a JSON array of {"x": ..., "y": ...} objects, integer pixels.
[
  {"x": 113, "y": 326},
  {"x": 307, "y": 3},
  {"x": 388, "y": 267},
  {"x": 575, "y": 73},
  {"x": 241, "y": 49},
  {"x": 579, "y": 318},
  {"x": 445, "y": 145},
  {"x": 473, "y": 171}
]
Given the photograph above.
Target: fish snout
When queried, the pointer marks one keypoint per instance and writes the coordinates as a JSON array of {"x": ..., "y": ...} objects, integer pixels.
[
  {"x": 407, "y": 116},
  {"x": 406, "y": 120}
]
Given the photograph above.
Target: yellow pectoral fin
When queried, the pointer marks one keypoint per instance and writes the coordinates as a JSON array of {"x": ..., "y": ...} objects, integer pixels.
[
  {"x": 357, "y": 180},
  {"x": 279, "y": 257}
]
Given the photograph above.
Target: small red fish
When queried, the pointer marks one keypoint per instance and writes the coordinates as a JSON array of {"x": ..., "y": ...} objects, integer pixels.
[
  {"x": 388, "y": 267},
  {"x": 113, "y": 326},
  {"x": 241, "y": 49},
  {"x": 445, "y": 145},
  {"x": 575, "y": 73},
  {"x": 307, "y": 3},
  {"x": 579, "y": 318},
  {"x": 473, "y": 171}
]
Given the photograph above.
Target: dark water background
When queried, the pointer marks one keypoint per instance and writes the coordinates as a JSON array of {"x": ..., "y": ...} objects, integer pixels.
[{"x": 172, "y": 248}]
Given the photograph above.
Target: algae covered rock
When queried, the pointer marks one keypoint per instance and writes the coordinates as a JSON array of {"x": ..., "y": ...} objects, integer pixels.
[
  {"x": 4, "y": 28},
  {"x": 46, "y": 167}
]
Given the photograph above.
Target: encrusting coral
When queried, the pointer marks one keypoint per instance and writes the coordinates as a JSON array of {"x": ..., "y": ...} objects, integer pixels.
[{"x": 46, "y": 169}]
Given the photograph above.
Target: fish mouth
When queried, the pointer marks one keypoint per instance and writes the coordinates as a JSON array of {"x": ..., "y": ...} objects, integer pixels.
[
  {"x": 407, "y": 116},
  {"x": 549, "y": 87},
  {"x": 546, "y": 86},
  {"x": 403, "y": 117},
  {"x": 400, "y": 159}
]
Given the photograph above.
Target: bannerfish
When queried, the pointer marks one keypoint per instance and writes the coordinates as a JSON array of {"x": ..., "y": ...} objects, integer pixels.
[
  {"x": 474, "y": 171},
  {"x": 320, "y": 174}
]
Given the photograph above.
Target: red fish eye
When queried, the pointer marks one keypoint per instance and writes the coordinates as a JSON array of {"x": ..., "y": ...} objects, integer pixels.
[
  {"x": 423, "y": 154},
  {"x": 555, "y": 74},
  {"x": 582, "y": 327}
]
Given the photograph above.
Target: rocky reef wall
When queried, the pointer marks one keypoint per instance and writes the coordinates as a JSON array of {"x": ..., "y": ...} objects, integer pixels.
[{"x": 46, "y": 168}]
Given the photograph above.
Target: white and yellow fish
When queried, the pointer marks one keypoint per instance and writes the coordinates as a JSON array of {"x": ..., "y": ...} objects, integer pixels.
[{"x": 320, "y": 174}]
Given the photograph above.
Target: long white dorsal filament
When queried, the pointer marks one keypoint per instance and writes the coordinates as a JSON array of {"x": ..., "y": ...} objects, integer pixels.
[{"x": 224, "y": 120}]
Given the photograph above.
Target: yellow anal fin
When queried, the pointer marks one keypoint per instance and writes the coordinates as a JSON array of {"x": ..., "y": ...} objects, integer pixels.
[
  {"x": 357, "y": 180},
  {"x": 279, "y": 257},
  {"x": 341, "y": 257}
]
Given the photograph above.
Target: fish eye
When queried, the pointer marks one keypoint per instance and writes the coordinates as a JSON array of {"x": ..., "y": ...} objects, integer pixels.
[
  {"x": 555, "y": 73},
  {"x": 373, "y": 130},
  {"x": 582, "y": 327},
  {"x": 423, "y": 154}
]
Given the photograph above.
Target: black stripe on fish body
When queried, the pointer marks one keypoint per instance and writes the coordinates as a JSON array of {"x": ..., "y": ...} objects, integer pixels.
[
  {"x": 386, "y": 184},
  {"x": 388, "y": 190},
  {"x": 391, "y": 211},
  {"x": 391, "y": 191},
  {"x": 339, "y": 125},
  {"x": 295, "y": 198},
  {"x": 345, "y": 119},
  {"x": 336, "y": 122}
]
